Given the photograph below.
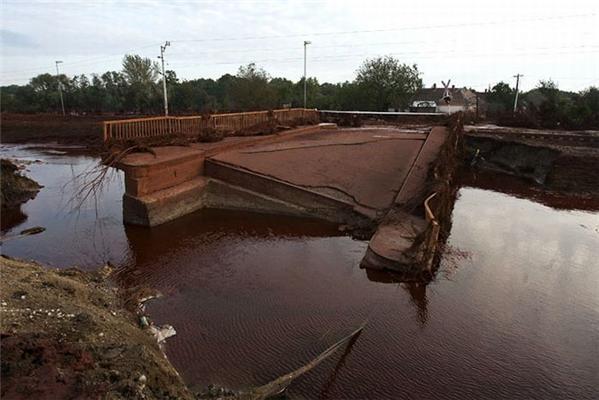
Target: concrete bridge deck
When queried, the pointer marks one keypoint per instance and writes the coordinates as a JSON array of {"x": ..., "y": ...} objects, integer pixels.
[
  {"x": 364, "y": 168},
  {"x": 351, "y": 176}
]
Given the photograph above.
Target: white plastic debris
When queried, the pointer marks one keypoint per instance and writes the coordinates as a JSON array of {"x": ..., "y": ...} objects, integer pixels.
[{"x": 163, "y": 332}]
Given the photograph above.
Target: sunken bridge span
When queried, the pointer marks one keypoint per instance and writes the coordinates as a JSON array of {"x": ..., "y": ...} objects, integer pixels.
[{"x": 387, "y": 181}]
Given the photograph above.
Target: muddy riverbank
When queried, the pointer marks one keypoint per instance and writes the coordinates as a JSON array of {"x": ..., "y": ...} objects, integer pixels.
[
  {"x": 15, "y": 187},
  {"x": 560, "y": 163},
  {"x": 66, "y": 334}
]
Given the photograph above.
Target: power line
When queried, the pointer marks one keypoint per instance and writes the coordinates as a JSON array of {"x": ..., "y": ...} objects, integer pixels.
[
  {"x": 288, "y": 48},
  {"x": 441, "y": 26},
  {"x": 427, "y": 54},
  {"x": 253, "y": 49},
  {"x": 331, "y": 33},
  {"x": 246, "y": 50},
  {"x": 353, "y": 45},
  {"x": 86, "y": 61},
  {"x": 420, "y": 54}
]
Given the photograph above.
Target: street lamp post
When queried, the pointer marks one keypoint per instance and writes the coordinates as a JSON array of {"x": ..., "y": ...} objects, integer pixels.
[
  {"x": 306, "y": 43},
  {"x": 162, "y": 49},
  {"x": 60, "y": 87}
]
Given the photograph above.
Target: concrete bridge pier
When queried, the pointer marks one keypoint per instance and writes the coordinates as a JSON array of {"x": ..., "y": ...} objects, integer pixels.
[{"x": 162, "y": 188}]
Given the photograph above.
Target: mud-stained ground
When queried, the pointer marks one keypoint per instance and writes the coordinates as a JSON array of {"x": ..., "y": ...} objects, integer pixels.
[
  {"x": 15, "y": 188},
  {"x": 65, "y": 334},
  {"x": 566, "y": 168},
  {"x": 42, "y": 128}
]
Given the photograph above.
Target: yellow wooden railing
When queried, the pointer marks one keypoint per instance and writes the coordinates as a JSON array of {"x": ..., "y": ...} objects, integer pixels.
[{"x": 138, "y": 128}]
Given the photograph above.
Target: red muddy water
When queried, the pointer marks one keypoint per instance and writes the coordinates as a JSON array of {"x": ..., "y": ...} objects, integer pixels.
[{"x": 512, "y": 313}]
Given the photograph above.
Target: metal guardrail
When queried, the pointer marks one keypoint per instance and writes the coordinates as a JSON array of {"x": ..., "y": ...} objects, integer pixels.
[{"x": 136, "y": 128}]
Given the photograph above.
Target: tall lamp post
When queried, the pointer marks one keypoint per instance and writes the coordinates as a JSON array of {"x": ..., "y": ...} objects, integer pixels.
[
  {"x": 306, "y": 43},
  {"x": 161, "y": 56},
  {"x": 60, "y": 87}
]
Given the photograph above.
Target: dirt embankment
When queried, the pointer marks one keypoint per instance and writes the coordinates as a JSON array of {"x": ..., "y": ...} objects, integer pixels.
[
  {"x": 14, "y": 187},
  {"x": 558, "y": 168},
  {"x": 81, "y": 130},
  {"x": 40, "y": 128},
  {"x": 65, "y": 334}
]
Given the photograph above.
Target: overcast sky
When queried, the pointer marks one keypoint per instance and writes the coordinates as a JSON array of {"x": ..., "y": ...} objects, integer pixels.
[{"x": 475, "y": 43}]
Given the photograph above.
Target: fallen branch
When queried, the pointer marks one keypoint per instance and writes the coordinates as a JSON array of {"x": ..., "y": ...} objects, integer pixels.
[
  {"x": 27, "y": 232},
  {"x": 91, "y": 182},
  {"x": 280, "y": 384}
]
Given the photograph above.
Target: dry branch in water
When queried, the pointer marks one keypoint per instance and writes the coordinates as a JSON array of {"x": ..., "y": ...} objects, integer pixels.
[
  {"x": 91, "y": 182},
  {"x": 281, "y": 383}
]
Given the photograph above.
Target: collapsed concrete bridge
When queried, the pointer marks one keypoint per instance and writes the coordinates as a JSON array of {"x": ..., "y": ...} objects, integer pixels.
[{"x": 393, "y": 181}]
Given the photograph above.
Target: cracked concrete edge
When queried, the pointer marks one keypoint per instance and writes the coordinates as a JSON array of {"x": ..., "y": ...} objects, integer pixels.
[{"x": 212, "y": 165}]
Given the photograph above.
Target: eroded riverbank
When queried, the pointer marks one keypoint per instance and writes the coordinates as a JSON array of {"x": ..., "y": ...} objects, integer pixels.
[
  {"x": 513, "y": 311},
  {"x": 65, "y": 334}
]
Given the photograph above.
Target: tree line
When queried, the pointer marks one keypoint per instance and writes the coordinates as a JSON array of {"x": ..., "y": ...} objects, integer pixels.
[
  {"x": 381, "y": 83},
  {"x": 545, "y": 106}
]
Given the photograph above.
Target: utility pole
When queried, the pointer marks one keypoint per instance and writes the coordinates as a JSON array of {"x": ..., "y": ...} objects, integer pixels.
[
  {"x": 306, "y": 43},
  {"x": 517, "y": 76},
  {"x": 59, "y": 87},
  {"x": 162, "y": 49}
]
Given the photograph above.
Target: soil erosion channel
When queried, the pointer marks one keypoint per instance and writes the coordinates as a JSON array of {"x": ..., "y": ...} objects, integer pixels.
[{"x": 512, "y": 312}]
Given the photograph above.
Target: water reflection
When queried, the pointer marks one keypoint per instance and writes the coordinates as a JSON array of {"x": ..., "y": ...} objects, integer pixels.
[
  {"x": 416, "y": 290},
  {"x": 325, "y": 392},
  {"x": 87, "y": 237},
  {"x": 11, "y": 217},
  {"x": 215, "y": 237}
]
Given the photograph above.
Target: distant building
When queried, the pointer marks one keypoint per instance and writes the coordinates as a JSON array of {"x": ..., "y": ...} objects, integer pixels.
[{"x": 431, "y": 100}]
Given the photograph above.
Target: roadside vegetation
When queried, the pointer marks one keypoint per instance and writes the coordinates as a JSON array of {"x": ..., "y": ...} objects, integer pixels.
[{"x": 546, "y": 106}]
